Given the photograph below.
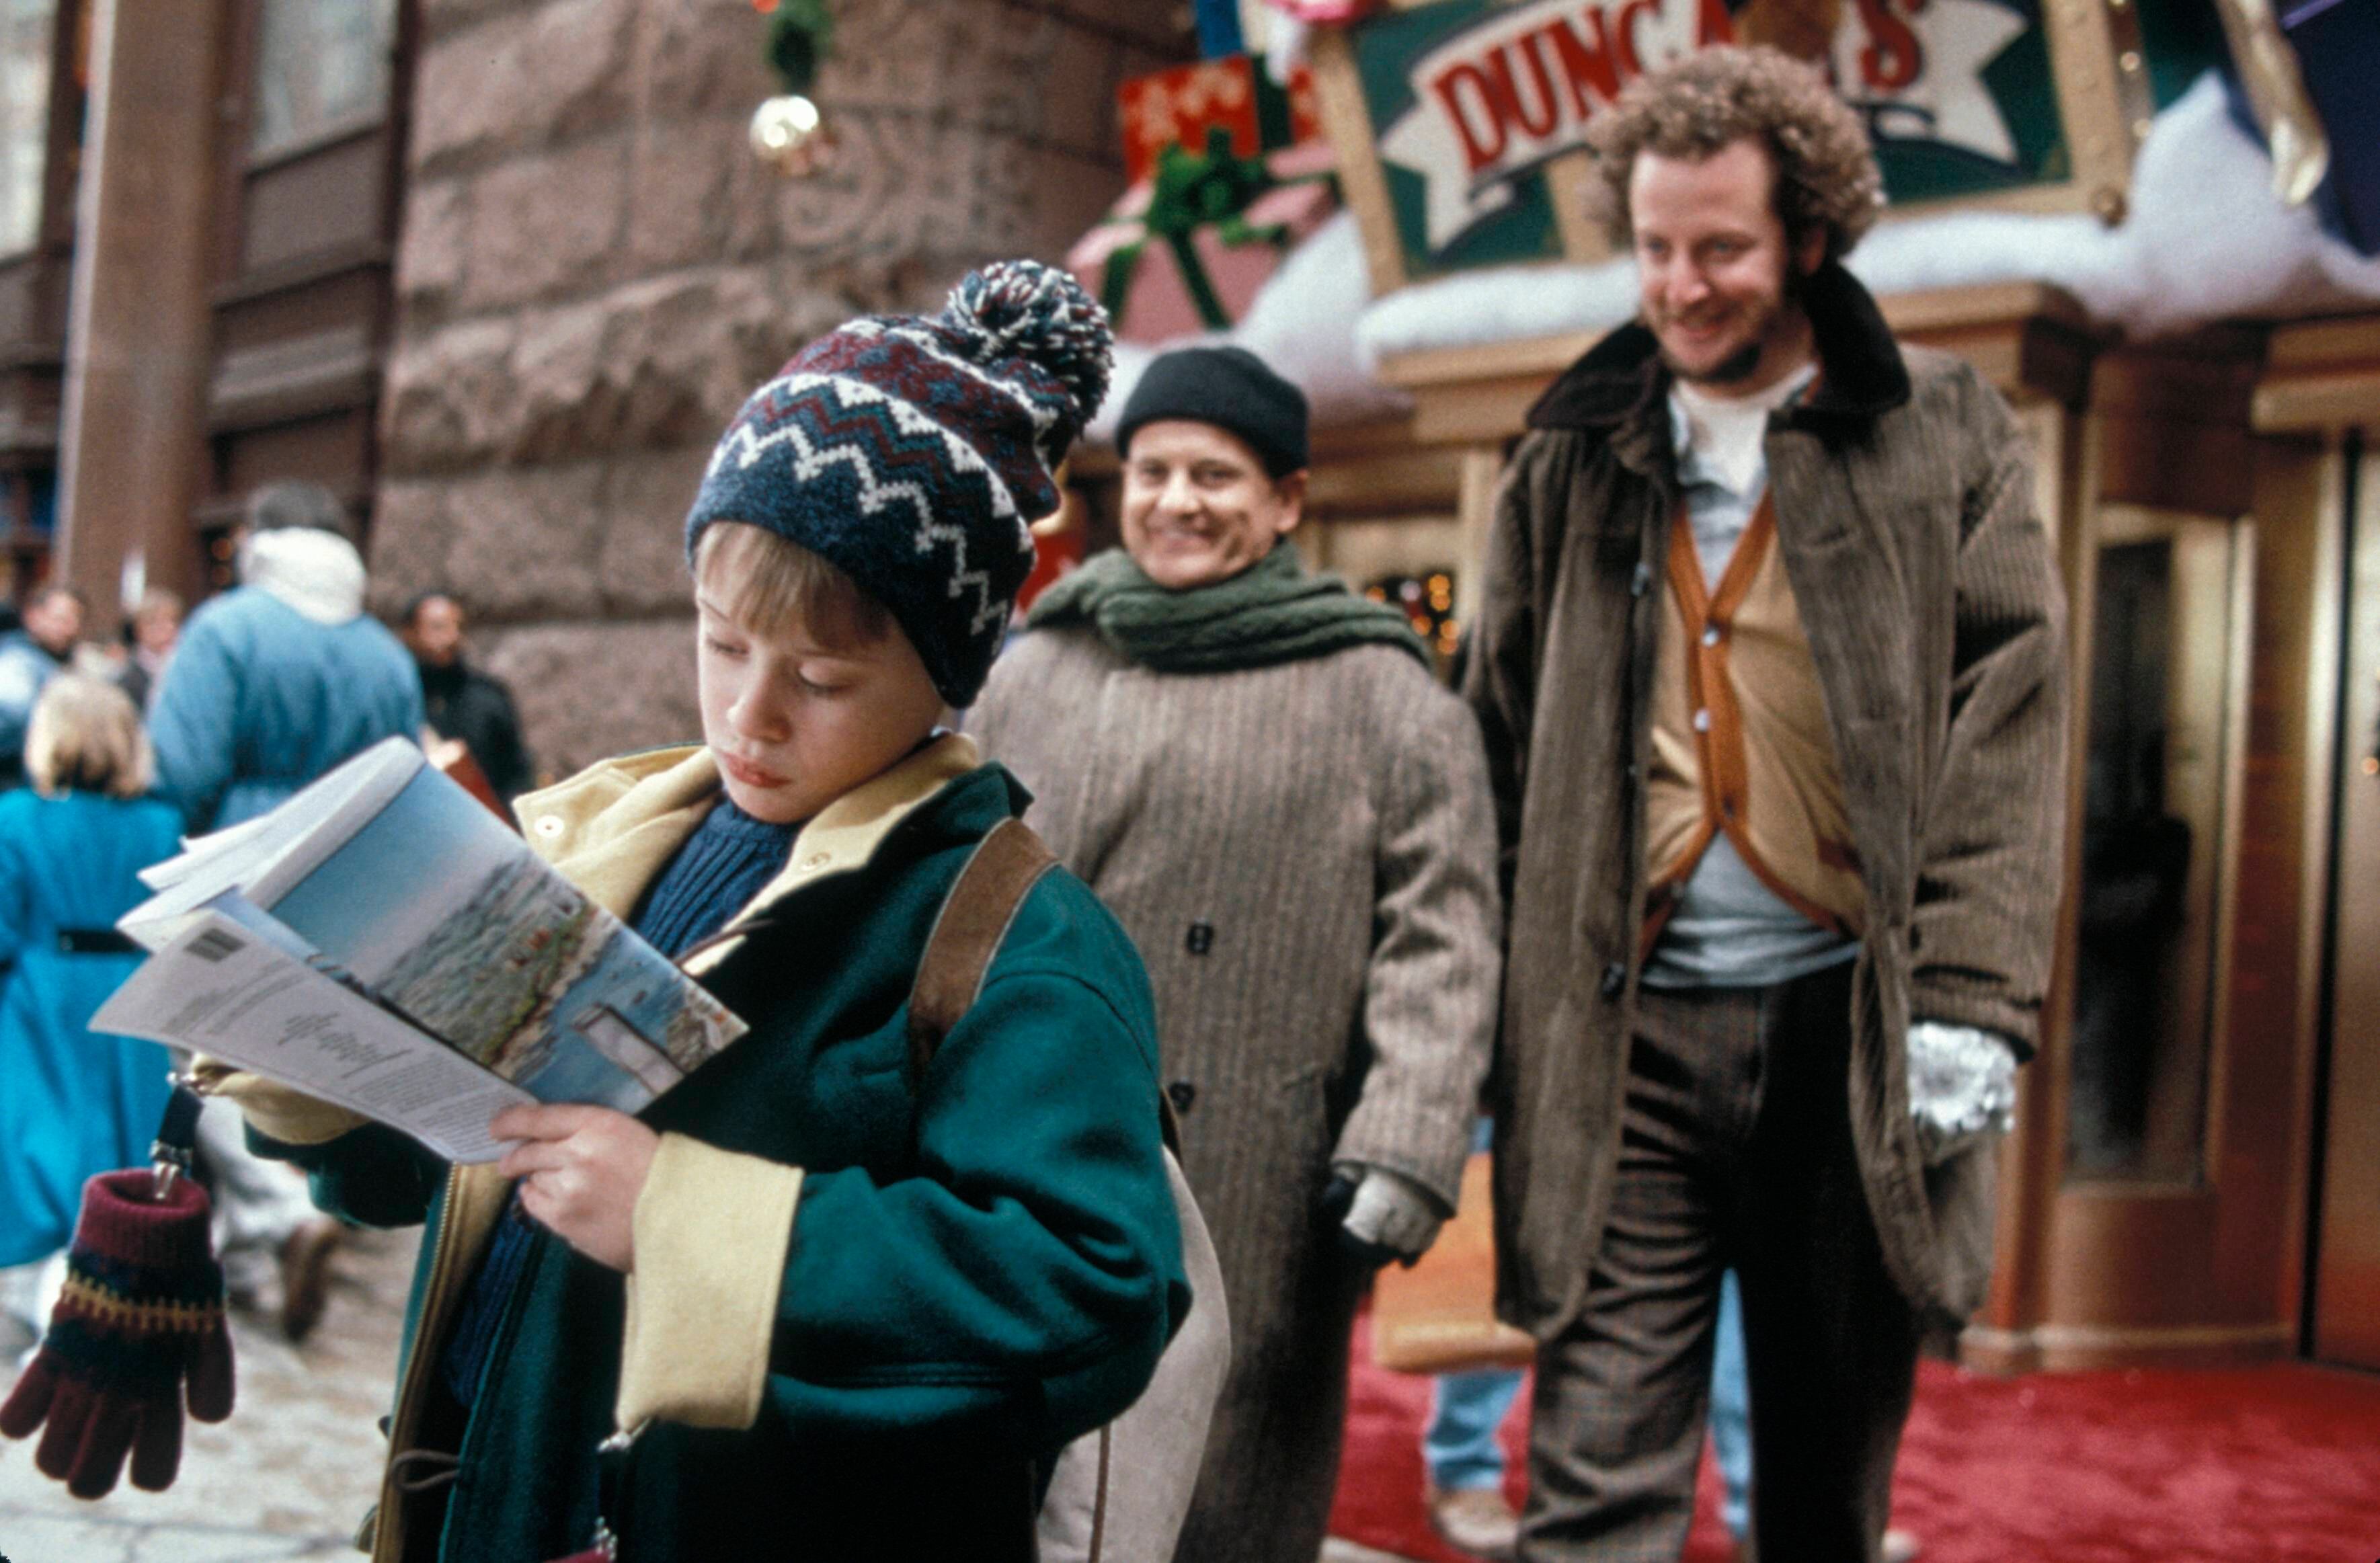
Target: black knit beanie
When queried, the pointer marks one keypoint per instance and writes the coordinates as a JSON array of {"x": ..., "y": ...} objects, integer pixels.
[{"x": 1229, "y": 387}]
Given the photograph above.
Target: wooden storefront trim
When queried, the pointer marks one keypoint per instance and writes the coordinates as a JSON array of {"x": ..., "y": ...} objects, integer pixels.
[
  {"x": 2321, "y": 376},
  {"x": 2069, "y": 1348},
  {"x": 2030, "y": 339}
]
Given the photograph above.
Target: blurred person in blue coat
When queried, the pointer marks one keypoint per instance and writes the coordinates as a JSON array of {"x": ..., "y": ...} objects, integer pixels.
[
  {"x": 76, "y": 1102},
  {"x": 272, "y": 683},
  {"x": 283, "y": 677}
]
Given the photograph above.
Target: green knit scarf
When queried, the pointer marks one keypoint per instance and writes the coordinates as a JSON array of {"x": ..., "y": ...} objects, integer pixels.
[{"x": 1272, "y": 612}]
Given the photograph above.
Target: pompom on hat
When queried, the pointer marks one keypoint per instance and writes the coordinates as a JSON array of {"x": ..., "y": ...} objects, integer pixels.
[{"x": 914, "y": 453}]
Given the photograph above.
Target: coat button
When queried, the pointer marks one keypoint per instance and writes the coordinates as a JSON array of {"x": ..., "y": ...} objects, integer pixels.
[
  {"x": 549, "y": 825},
  {"x": 1615, "y": 980},
  {"x": 1182, "y": 1094},
  {"x": 1202, "y": 938}
]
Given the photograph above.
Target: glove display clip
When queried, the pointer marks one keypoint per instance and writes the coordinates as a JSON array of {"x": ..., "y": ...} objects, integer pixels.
[
  {"x": 175, "y": 1151},
  {"x": 138, "y": 1332}
]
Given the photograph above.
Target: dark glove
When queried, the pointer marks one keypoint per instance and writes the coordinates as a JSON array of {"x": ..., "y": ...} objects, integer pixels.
[{"x": 141, "y": 1315}]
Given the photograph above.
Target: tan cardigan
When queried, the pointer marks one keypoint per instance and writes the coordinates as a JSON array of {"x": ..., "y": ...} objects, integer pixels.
[{"x": 1739, "y": 740}]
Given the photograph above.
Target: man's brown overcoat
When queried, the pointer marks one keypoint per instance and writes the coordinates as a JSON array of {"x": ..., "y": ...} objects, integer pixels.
[{"x": 1905, "y": 518}]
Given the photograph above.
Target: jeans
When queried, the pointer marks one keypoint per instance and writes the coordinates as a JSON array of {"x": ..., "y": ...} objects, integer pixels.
[
  {"x": 1730, "y": 1410},
  {"x": 1465, "y": 1409},
  {"x": 1459, "y": 1445}
]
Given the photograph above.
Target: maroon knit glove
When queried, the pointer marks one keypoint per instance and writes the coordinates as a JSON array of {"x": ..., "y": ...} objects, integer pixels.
[{"x": 142, "y": 1311}]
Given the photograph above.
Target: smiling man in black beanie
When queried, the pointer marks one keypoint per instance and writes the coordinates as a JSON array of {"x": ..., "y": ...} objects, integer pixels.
[
  {"x": 1255, "y": 771},
  {"x": 1230, "y": 388}
]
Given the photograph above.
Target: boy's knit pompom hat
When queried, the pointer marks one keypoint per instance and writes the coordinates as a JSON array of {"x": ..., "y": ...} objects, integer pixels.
[{"x": 914, "y": 452}]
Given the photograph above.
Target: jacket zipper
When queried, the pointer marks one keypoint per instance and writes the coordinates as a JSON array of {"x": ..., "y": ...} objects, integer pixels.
[{"x": 389, "y": 1539}]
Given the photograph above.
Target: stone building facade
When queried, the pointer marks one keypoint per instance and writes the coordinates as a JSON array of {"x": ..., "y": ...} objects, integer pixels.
[{"x": 594, "y": 270}]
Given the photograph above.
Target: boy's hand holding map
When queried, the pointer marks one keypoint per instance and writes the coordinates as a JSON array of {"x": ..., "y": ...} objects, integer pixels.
[{"x": 382, "y": 942}]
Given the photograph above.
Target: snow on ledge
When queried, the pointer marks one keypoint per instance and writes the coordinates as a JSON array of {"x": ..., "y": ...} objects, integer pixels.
[{"x": 2205, "y": 240}]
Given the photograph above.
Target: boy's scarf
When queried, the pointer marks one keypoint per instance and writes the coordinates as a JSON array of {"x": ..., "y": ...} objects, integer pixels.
[{"x": 1272, "y": 612}]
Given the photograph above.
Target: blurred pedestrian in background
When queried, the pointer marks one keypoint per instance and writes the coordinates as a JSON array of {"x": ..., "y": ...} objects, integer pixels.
[
  {"x": 274, "y": 683},
  {"x": 283, "y": 677},
  {"x": 1464, "y": 1459},
  {"x": 155, "y": 628},
  {"x": 1461, "y": 1453},
  {"x": 461, "y": 703},
  {"x": 30, "y": 658},
  {"x": 74, "y": 1103},
  {"x": 1255, "y": 771}
]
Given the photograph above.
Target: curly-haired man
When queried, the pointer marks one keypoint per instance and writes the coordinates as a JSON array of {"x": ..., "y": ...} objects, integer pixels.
[{"x": 1769, "y": 667}]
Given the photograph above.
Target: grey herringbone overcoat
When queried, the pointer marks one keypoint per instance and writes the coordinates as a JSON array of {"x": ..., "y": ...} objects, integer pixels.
[
  {"x": 1305, "y": 855},
  {"x": 1906, "y": 521}
]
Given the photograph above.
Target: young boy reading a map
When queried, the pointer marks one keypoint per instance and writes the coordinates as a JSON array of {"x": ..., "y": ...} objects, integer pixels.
[{"x": 848, "y": 1306}]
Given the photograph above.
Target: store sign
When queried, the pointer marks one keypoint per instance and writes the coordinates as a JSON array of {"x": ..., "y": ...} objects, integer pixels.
[
  {"x": 1916, "y": 68},
  {"x": 1499, "y": 98},
  {"x": 1470, "y": 101}
]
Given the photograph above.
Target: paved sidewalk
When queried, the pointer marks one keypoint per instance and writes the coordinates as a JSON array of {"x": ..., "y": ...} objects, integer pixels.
[{"x": 286, "y": 1479}]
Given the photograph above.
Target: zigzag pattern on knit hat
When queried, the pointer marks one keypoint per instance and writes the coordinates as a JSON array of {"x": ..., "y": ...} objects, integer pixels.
[{"x": 845, "y": 423}]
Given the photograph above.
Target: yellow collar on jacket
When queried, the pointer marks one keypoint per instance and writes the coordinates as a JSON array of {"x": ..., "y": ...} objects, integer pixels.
[{"x": 614, "y": 826}]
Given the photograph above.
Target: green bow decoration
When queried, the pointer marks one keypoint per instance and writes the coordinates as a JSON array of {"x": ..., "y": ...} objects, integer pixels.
[
  {"x": 799, "y": 33},
  {"x": 1194, "y": 190}
]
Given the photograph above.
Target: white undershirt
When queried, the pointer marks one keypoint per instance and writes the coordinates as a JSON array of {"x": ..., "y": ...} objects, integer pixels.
[{"x": 1726, "y": 432}]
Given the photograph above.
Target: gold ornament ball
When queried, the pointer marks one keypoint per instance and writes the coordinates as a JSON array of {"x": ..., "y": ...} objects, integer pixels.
[{"x": 790, "y": 135}]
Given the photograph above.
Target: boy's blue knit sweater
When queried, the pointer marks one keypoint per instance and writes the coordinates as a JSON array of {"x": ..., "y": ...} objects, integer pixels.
[{"x": 724, "y": 865}]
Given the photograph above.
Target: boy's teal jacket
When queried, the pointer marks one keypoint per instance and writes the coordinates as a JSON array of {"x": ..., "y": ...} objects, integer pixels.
[{"x": 982, "y": 1264}]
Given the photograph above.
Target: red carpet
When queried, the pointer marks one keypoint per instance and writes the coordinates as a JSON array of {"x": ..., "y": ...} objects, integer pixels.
[{"x": 2265, "y": 1465}]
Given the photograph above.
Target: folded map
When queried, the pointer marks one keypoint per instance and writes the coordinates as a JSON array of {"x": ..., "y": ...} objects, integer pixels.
[{"x": 381, "y": 942}]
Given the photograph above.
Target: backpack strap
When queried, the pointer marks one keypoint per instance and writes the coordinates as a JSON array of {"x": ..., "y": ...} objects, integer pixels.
[
  {"x": 967, "y": 931},
  {"x": 974, "y": 917}
]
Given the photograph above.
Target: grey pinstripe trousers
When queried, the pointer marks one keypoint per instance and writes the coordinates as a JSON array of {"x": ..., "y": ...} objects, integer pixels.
[{"x": 1736, "y": 1150}]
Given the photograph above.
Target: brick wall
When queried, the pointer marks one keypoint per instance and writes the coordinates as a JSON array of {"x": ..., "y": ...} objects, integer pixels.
[{"x": 594, "y": 271}]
